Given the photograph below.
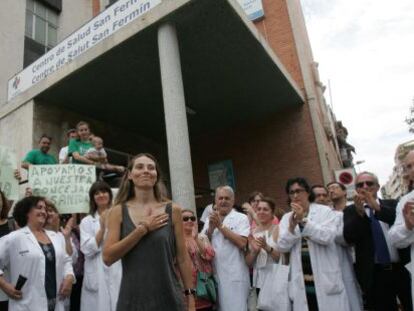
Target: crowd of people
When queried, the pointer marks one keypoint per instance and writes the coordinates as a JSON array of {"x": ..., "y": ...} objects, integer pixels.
[
  {"x": 83, "y": 148},
  {"x": 141, "y": 251}
]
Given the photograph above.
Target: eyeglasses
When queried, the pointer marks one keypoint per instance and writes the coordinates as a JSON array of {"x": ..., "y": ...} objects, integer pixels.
[
  {"x": 368, "y": 183},
  {"x": 296, "y": 191},
  {"x": 187, "y": 218}
]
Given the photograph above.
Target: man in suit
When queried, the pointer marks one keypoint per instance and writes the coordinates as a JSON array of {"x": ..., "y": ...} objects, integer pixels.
[{"x": 379, "y": 266}]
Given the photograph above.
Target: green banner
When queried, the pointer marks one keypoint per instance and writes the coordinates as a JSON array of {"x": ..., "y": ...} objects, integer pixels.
[
  {"x": 8, "y": 164},
  {"x": 66, "y": 185}
]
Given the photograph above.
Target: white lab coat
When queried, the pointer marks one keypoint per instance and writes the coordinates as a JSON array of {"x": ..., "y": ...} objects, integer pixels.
[
  {"x": 320, "y": 230},
  {"x": 100, "y": 288},
  {"x": 21, "y": 253},
  {"x": 74, "y": 260},
  {"x": 401, "y": 237},
  {"x": 344, "y": 250},
  {"x": 230, "y": 266},
  {"x": 263, "y": 260}
]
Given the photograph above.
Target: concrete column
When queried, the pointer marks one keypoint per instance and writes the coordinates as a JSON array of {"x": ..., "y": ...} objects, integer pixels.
[{"x": 179, "y": 156}]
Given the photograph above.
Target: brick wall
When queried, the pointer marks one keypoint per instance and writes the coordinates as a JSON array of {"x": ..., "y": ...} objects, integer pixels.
[
  {"x": 277, "y": 30},
  {"x": 264, "y": 154},
  {"x": 96, "y": 7}
]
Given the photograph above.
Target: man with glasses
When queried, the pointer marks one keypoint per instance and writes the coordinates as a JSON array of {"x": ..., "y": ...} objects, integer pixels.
[
  {"x": 228, "y": 231},
  {"x": 308, "y": 233},
  {"x": 379, "y": 266}
]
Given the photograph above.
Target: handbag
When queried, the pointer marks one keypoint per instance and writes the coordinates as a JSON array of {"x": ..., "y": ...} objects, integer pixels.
[
  {"x": 273, "y": 295},
  {"x": 206, "y": 286}
]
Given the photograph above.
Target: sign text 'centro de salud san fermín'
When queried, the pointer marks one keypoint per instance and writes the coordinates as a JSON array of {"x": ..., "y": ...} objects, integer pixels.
[{"x": 97, "y": 29}]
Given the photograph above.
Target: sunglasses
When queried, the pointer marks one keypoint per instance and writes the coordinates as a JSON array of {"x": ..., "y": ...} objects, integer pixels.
[
  {"x": 368, "y": 183},
  {"x": 187, "y": 218}
]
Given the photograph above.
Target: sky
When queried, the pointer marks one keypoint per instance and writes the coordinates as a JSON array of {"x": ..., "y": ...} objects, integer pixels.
[{"x": 365, "y": 48}]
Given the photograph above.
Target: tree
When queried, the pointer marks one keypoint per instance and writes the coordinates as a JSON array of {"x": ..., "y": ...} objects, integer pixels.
[{"x": 410, "y": 119}]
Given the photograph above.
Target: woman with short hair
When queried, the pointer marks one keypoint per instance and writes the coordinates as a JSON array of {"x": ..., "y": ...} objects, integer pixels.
[
  {"x": 40, "y": 256},
  {"x": 308, "y": 233}
]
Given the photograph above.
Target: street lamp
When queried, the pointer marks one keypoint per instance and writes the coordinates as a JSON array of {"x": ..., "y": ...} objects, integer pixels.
[{"x": 357, "y": 163}]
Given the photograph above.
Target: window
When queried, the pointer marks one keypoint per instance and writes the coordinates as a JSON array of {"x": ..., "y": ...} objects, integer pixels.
[
  {"x": 109, "y": 3},
  {"x": 41, "y": 24},
  {"x": 41, "y": 29}
]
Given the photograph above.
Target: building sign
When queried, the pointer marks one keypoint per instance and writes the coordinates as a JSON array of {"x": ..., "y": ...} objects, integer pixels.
[
  {"x": 66, "y": 185},
  {"x": 347, "y": 178},
  {"x": 253, "y": 8},
  {"x": 221, "y": 174},
  {"x": 97, "y": 29}
]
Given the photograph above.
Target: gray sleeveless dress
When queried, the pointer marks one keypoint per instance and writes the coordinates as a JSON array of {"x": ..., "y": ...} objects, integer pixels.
[{"x": 149, "y": 282}]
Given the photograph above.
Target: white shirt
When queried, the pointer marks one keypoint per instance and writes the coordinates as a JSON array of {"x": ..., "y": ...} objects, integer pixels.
[
  {"x": 230, "y": 266},
  {"x": 206, "y": 213},
  {"x": 101, "y": 284},
  {"x": 320, "y": 230},
  {"x": 63, "y": 153},
  {"x": 263, "y": 259},
  {"x": 21, "y": 254},
  {"x": 401, "y": 237}
]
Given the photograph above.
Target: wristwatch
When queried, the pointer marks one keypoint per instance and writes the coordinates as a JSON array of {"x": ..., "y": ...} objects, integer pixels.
[{"x": 189, "y": 291}]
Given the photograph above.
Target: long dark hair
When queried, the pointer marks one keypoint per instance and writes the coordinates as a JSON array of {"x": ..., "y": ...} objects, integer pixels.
[
  {"x": 98, "y": 186},
  {"x": 126, "y": 189}
]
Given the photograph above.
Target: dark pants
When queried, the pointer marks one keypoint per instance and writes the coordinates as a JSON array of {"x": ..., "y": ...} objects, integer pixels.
[
  {"x": 4, "y": 305},
  {"x": 75, "y": 296},
  {"x": 389, "y": 283},
  {"x": 312, "y": 302}
]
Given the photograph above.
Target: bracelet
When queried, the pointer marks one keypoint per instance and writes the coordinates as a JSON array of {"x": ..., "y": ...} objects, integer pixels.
[{"x": 189, "y": 291}]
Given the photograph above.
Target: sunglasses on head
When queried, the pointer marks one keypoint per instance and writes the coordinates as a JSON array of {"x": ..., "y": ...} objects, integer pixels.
[
  {"x": 368, "y": 183},
  {"x": 187, "y": 218}
]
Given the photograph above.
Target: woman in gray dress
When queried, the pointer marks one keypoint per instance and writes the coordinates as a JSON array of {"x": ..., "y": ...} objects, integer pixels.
[{"x": 145, "y": 231}]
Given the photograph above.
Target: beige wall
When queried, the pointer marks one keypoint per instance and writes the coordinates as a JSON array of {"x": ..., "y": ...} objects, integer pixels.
[
  {"x": 16, "y": 130},
  {"x": 12, "y": 25},
  {"x": 74, "y": 14}
]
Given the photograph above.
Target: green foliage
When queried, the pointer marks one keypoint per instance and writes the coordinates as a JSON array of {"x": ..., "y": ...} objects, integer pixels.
[{"x": 410, "y": 119}]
